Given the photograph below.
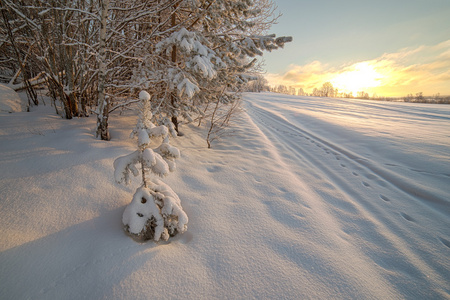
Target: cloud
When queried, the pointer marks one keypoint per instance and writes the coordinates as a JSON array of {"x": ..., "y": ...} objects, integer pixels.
[
  {"x": 306, "y": 76},
  {"x": 410, "y": 70}
]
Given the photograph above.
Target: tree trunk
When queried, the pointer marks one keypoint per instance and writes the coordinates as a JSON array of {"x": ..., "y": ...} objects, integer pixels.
[
  {"x": 174, "y": 60},
  {"x": 103, "y": 101}
]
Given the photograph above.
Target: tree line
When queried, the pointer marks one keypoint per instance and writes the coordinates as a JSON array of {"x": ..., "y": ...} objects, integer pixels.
[
  {"x": 94, "y": 56},
  {"x": 327, "y": 90}
]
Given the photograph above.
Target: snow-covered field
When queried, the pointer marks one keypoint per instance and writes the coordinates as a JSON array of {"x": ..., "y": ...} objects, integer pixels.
[{"x": 309, "y": 198}]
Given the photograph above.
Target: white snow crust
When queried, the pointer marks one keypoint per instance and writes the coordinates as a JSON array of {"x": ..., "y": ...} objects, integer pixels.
[
  {"x": 10, "y": 102},
  {"x": 148, "y": 210},
  {"x": 309, "y": 198},
  {"x": 144, "y": 96}
]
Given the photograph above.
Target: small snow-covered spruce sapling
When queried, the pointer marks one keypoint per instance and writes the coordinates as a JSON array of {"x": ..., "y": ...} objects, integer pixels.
[{"x": 155, "y": 212}]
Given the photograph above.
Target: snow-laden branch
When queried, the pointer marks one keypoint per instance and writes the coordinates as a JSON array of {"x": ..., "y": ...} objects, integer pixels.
[
  {"x": 65, "y": 10},
  {"x": 121, "y": 105},
  {"x": 38, "y": 79}
]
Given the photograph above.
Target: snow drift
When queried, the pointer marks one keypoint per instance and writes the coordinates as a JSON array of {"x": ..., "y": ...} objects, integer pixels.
[
  {"x": 308, "y": 198},
  {"x": 10, "y": 101}
]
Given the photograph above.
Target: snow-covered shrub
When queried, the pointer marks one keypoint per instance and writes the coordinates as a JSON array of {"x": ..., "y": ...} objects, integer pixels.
[{"x": 155, "y": 211}]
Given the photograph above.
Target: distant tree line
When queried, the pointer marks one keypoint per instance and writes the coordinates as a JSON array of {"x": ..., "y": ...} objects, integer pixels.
[
  {"x": 258, "y": 84},
  {"x": 327, "y": 90}
]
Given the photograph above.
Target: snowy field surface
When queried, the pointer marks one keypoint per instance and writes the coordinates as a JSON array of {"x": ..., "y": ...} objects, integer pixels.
[{"x": 309, "y": 198}]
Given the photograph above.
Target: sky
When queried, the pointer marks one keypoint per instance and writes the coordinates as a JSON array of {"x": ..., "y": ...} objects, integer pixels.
[{"x": 384, "y": 47}]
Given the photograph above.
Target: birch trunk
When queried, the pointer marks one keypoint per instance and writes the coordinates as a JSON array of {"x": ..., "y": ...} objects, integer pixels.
[
  {"x": 174, "y": 60},
  {"x": 103, "y": 101}
]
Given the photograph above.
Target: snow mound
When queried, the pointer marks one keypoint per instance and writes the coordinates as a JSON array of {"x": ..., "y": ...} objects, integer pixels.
[
  {"x": 154, "y": 213},
  {"x": 9, "y": 100}
]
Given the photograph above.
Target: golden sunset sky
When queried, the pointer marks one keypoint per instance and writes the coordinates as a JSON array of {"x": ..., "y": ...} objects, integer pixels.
[{"x": 389, "y": 48}]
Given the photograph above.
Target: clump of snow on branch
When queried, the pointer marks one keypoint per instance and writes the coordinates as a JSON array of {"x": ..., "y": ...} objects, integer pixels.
[
  {"x": 155, "y": 211},
  {"x": 253, "y": 45},
  {"x": 187, "y": 88},
  {"x": 200, "y": 60}
]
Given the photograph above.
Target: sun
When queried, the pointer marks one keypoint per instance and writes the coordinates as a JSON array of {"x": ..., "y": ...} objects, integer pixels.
[{"x": 359, "y": 77}]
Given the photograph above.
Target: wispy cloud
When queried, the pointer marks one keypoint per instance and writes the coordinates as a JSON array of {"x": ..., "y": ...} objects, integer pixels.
[{"x": 422, "y": 69}]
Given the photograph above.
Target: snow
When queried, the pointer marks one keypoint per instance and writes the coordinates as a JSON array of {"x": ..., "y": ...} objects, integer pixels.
[
  {"x": 187, "y": 88},
  {"x": 11, "y": 101},
  {"x": 148, "y": 208},
  {"x": 143, "y": 139},
  {"x": 125, "y": 165},
  {"x": 144, "y": 96},
  {"x": 157, "y": 131},
  {"x": 308, "y": 198}
]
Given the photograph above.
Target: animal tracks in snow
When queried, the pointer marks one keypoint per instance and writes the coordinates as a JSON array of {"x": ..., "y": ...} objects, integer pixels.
[
  {"x": 271, "y": 122},
  {"x": 445, "y": 242},
  {"x": 214, "y": 169},
  {"x": 365, "y": 184},
  {"x": 407, "y": 217},
  {"x": 384, "y": 198},
  {"x": 377, "y": 179}
]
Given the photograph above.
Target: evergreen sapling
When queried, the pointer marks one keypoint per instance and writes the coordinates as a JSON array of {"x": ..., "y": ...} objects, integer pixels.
[{"x": 155, "y": 211}]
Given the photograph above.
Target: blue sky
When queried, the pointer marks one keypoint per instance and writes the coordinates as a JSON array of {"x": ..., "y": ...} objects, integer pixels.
[{"x": 337, "y": 34}]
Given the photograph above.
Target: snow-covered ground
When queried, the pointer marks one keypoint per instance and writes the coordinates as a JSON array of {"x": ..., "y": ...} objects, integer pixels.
[
  {"x": 309, "y": 198},
  {"x": 10, "y": 101}
]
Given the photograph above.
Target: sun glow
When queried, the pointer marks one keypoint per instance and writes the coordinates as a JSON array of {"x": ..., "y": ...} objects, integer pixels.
[
  {"x": 360, "y": 77},
  {"x": 423, "y": 69}
]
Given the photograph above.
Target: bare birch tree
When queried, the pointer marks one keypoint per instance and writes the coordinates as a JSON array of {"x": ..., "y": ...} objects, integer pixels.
[{"x": 103, "y": 102}]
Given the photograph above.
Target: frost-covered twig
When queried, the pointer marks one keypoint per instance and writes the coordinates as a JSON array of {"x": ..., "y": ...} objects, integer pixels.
[{"x": 128, "y": 103}]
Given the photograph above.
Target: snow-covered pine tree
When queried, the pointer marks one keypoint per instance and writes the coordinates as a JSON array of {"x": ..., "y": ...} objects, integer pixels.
[
  {"x": 204, "y": 52},
  {"x": 155, "y": 211}
]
